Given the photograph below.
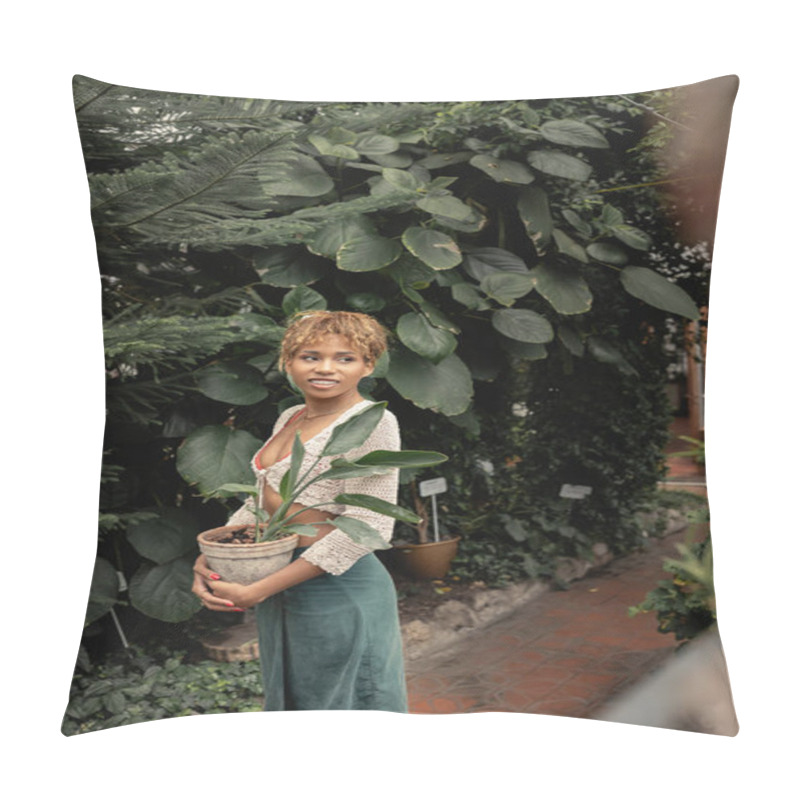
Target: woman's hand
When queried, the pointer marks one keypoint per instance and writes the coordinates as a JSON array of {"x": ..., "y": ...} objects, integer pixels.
[{"x": 206, "y": 586}]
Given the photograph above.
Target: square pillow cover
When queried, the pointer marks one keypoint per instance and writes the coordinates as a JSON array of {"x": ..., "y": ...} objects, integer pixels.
[{"x": 541, "y": 271}]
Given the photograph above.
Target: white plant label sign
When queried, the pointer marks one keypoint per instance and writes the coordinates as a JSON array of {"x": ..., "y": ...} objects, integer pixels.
[
  {"x": 433, "y": 486},
  {"x": 575, "y": 492}
]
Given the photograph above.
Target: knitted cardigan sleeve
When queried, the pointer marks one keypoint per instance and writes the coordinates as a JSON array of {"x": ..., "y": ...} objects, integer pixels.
[{"x": 337, "y": 552}]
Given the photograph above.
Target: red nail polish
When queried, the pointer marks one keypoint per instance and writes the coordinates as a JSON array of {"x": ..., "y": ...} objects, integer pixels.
[
  {"x": 238, "y": 609},
  {"x": 214, "y": 577}
]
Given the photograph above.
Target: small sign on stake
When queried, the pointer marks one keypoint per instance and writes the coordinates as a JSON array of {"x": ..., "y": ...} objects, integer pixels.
[
  {"x": 575, "y": 492},
  {"x": 430, "y": 489}
]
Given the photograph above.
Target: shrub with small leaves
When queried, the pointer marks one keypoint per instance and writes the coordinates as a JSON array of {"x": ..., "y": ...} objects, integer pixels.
[{"x": 140, "y": 688}]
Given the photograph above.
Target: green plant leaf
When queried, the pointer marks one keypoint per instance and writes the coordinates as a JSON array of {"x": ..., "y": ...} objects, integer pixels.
[
  {"x": 606, "y": 353},
  {"x": 564, "y": 288},
  {"x": 523, "y": 325},
  {"x": 655, "y": 290},
  {"x": 577, "y": 222},
  {"x": 354, "y": 431},
  {"x": 572, "y": 133},
  {"x": 328, "y": 148},
  {"x": 401, "y": 178},
  {"x": 303, "y": 530},
  {"x": 288, "y": 267},
  {"x": 446, "y": 206},
  {"x": 378, "y": 505},
  {"x": 215, "y": 455},
  {"x": 361, "y": 533},
  {"x": 608, "y": 253},
  {"x": 298, "y": 176},
  {"x": 103, "y": 592},
  {"x": 295, "y": 465},
  {"x": 402, "y": 459},
  {"x": 571, "y": 339},
  {"x": 506, "y": 287},
  {"x": 376, "y": 144},
  {"x": 228, "y": 489},
  {"x": 445, "y": 387},
  {"x": 332, "y": 236},
  {"x": 633, "y": 237},
  {"x": 366, "y": 302},
  {"x": 502, "y": 170},
  {"x": 483, "y": 261},
  {"x": 239, "y": 384},
  {"x": 303, "y": 298},
  {"x": 171, "y": 534},
  {"x": 469, "y": 296},
  {"x": 569, "y": 247},
  {"x": 533, "y": 207},
  {"x": 436, "y": 249},
  {"x": 562, "y": 165},
  {"x": 417, "y": 334},
  {"x": 165, "y": 591},
  {"x": 342, "y": 469},
  {"x": 367, "y": 254}
]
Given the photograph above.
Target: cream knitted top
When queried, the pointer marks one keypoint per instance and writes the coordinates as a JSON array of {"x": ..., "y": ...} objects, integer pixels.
[{"x": 336, "y": 552}]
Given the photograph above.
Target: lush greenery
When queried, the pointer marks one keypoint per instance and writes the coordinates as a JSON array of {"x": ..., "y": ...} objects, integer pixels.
[
  {"x": 136, "y": 687},
  {"x": 517, "y": 251},
  {"x": 685, "y": 604}
]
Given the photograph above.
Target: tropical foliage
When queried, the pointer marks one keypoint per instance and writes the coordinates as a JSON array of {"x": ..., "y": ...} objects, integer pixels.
[{"x": 506, "y": 245}]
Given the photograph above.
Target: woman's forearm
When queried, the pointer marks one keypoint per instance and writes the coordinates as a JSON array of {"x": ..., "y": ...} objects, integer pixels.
[{"x": 298, "y": 571}]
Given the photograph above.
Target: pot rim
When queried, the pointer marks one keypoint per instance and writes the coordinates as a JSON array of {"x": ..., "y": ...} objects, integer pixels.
[{"x": 203, "y": 537}]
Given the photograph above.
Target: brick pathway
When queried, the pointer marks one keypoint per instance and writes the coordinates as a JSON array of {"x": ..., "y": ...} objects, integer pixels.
[{"x": 563, "y": 653}]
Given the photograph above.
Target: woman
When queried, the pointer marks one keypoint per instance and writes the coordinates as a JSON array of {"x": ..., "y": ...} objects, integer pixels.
[{"x": 328, "y": 627}]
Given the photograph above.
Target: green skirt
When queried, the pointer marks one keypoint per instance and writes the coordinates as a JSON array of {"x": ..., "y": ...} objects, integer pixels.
[{"x": 333, "y": 642}]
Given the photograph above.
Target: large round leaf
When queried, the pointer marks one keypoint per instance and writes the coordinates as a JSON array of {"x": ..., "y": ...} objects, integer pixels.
[
  {"x": 561, "y": 165},
  {"x": 534, "y": 211},
  {"x": 214, "y": 455},
  {"x": 608, "y": 253},
  {"x": 564, "y": 288},
  {"x": 657, "y": 291},
  {"x": 571, "y": 339},
  {"x": 446, "y": 206},
  {"x": 333, "y": 235},
  {"x": 165, "y": 591},
  {"x": 103, "y": 591},
  {"x": 303, "y": 298},
  {"x": 298, "y": 176},
  {"x": 436, "y": 249},
  {"x": 289, "y": 266},
  {"x": 502, "y": 170},
  {"x": 469, "y": 296},
  {"x": 326, "y": 147},
  {"x": 569, "y": 247},
  {"x": 572, "y": 133},
  {"x": 401, "y": 179},
  {"x": 483, "y": 261},
  {"x": 605, "y": 352},
  {"x": 238, "y": 384},
  {"x": 524, "y": 350},
  {"x": 258, "y": 328},
  {"x": 367, "y": 253},
  {"x": 506, "y": 287},
  {"x": 171, "y": 534},
  {"x": 416, "y": 333},
  {"x": 633, "y": 237},
  {"x": 445, "y": 387},
  {"x": 365, "y": 302},
  {"x": 376, "y": 144},
  {"x": 523, "y": 325}
]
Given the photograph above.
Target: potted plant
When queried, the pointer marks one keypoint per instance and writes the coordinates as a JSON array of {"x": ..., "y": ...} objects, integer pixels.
[
  {"x": 428, "y": 558},
  {"x": 247, "y": 553}
]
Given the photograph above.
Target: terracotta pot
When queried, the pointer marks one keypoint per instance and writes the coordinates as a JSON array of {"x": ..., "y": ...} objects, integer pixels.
[
  {"x": 429, "y": 560},
  {"x": 244, "y": 563}
]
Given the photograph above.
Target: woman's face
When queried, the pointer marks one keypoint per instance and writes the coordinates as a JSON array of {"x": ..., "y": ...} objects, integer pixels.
[{"x": 328, "y": 368}]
